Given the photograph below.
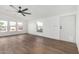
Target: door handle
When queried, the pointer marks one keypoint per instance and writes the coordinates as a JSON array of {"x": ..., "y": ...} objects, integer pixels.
[{"x": 60, "y": 27}]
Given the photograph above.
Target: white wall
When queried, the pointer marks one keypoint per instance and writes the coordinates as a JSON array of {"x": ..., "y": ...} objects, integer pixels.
[
  {"x": 50, "y": 27},
  {"x": 77, "y": 27},
  {"x": 13, "y": 19}
]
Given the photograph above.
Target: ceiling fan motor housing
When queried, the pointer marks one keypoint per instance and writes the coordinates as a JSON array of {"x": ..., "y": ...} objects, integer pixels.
[{"x": 19, "y": 11}]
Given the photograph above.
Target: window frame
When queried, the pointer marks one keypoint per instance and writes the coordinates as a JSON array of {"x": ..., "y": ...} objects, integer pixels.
[
  {"x": 12, "y": 26},
  {"x": 18, "y": 26},
  {"x": 6, "y": 26}
]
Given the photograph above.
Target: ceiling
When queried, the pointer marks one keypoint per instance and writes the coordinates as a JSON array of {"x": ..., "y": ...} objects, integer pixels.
[{"x": 38, "y": 11}]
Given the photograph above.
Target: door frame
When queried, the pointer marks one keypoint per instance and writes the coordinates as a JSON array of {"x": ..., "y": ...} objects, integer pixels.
[{"x": 71, "y": 14}]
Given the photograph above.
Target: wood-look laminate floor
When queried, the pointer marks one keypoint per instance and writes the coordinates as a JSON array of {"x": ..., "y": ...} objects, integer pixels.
[{"x": 30, "y": 44}]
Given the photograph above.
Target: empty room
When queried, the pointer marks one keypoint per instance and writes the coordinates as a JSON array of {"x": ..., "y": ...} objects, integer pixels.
[{"x": 39, "y": 29}]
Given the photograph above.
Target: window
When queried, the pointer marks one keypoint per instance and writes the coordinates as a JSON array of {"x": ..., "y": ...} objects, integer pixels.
[
  {"x": 3, "y": 26},
  {"x": 12, "y": 26},
  {"x": 19, "y": 26},
  {"x": 39, "y": 26}
]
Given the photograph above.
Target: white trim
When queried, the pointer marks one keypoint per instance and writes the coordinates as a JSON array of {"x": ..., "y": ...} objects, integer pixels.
[{"x": 67, "y": 14}]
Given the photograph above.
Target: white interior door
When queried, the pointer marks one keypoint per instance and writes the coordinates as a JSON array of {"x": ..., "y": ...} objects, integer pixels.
[{"x": 68, "y": 28}]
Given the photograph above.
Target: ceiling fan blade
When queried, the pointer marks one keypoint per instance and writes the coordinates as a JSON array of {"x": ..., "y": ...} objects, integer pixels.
[
  {"x": 27, "y": 13},
  {"x": 13, "y": 7},
  {"x": 25, "y": 9},
  {"x": 23, "y": 14}
]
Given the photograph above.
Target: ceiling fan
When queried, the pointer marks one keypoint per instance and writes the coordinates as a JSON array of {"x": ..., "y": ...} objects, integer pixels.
[{"x": 20, "y": 10}]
